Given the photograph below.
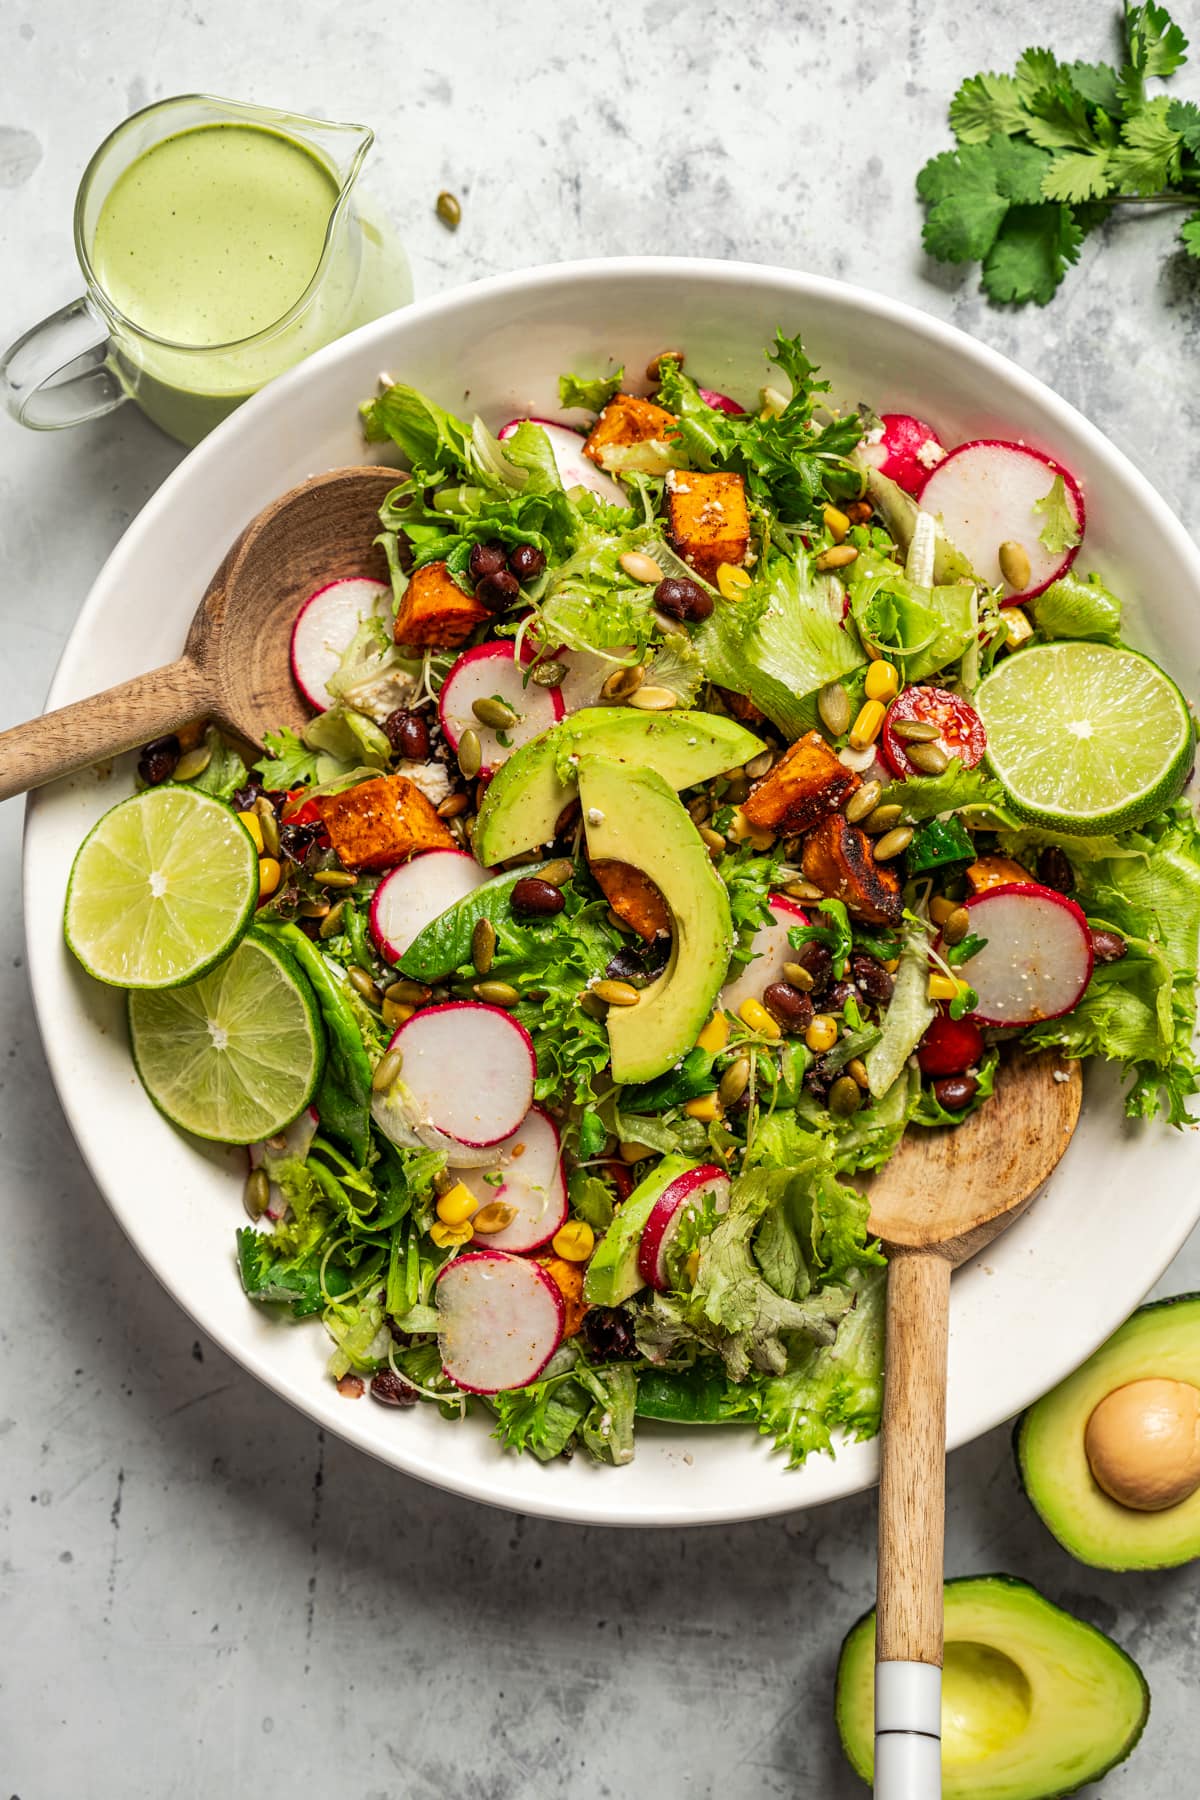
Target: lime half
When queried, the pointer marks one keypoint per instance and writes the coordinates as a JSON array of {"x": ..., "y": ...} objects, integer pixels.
[
  {"x": 1084, "y": 737},
  {"x": 162, "y": 888},
  {"x": 235, "y": 1055}
]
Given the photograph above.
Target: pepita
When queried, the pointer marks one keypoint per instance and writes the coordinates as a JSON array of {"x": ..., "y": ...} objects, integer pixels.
[
  {"x": 916, "y": 731},
  {"x": 193, "y": 763},
  {"x": 956, "y": 926},
  {"x": 654, "y": 699},
  {"x": 548, "y": 674},
  {"x": 797, "y": 976},
  {"x": 497, "y": 714},
  {"x": 361, "y": 982},
  {"x": 640, "y": 567},
  {"x": 256, "y": 1195},
  {"x": 734, "y": 1081},
  {"x": 449, "y": 210},
  {"x": 494, "y": 1216},
  {"x": 483, "y": 945},
  {"x": 386, "y": 1070},
  {"x": 845, "y": 1097},
  {"x": 654, "y": 366},
  {"x": 892, "y": 843},
  {"x": 804, "y": 890},
  {"x": 864, "y": 801},
  {"x": 470, "y": 754},
  {"x": 760, "y": 765},
  {"x": 408, "y": 993},
  {"x": 839, "y": 557},
  {"x": 595, "y": 1009},
  {"x": 616, "y": 993},
  {"x": 496, "y": 993},
  {"x": 882, "y": 819},
  {"x": 623, "y": 682},
  {"x": 453, "y": 806},
  {"x": 856, "y": 1069},
  {"x": 265, "y": 813},
  {"x": 1014, "y": 564},
  {"x": 331, "y": 924},
  {"x": 714, "y": 843},
  {"x": 931, "y": 759},
  {"x": 699, "y": 809},
  {"x": 558, "y": 871},
  {"x": 833, "y": 704}
]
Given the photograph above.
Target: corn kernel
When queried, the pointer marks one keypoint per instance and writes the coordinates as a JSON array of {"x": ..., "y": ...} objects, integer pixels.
[
  {"x": 457, "y": 1204},
  {"x": 893, "y": 965},
  {"x": 836, "y": 523},
  {"x": 705, "y": 1107},
  {"x": 269, "y": 874},
  {"x": 692, "y": 1265},
  {"x": 940, "y": 908},
  {"x": 574, "y": 1241},
  {"x": 867, "y": 726},
  {"x": 715, "y": 1035},
  {"x": 253, "y": 825},
  {"x": 732, "y": 581},
  {"x": 1017, "y": 627},
  {"x": 943, "y": 987},
  {"x": 743, "y": 832},
  {"x": 882, "y": 682},
  {"x": 754, "y": 1014},
  {"x": 447, "y": 1236},
  {"x": 822, "y": 1034}
]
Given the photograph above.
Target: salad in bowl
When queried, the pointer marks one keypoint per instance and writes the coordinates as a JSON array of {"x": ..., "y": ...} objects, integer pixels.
[{"x": 719, "y": 788}]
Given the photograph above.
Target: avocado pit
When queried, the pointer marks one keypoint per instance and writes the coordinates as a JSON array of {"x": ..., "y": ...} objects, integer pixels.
[{"x": 1143, "y": 1443}]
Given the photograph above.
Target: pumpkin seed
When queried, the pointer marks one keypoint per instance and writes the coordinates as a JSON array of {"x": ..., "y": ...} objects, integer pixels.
[
  {"x": 558, "y": 871},
  {"x": 495, "y": 713},
  {"x": 193, "y": 763},
  {"x": 616, "y": 993},
  {"x": 734, "y": 1081},
  {"x": 630, "y": 1152},
  {"x": 699, "y": 809},
  {"x": 839, "y": 557},
  {"x": 362, "y": 983},
  {"x": 548, "y": 674},
  {"x": 470, "y": 754},
  {"x": 386, "y": 1071},
  {"x": 845, "y": 1096},
  {"x": 483, "y": 945},
  {"x": 331, "y": 924},
  {"x": 496, "y": 993},
  {"x": 916, "y": 731},
  {"x": 453, "y": 806},
  {"x": 654, "y": 699},
  {"x": 856, "y": 1068},
  {"x": 714, "y": 843},
  {"x": 864, "y": 801},
  {"x": 833, "y": 704},
  {"x": 804, "y": 890},
  {"x": 449, "y": 210},
  {"x": 760, "y": 765},
  {"x": 956, "y": 926},
  {"x": 1014, "y": 564},
  {"x": 494, "y": 1216},
  {"x": 256, "y": 1195},
  {"x": 931, "y": 759},
  {"x": 268, "y": 824},
  {"x": 654, "y": 366},
  {"x": 641, "y": 568},
  {"x": 407, "y": 993},
  {"x": 595, "y": 1009},
  {"x": 797, "y": 976},
  {"x": 882, "y": 819},
  {"x": 893, "y": 842},
  {"x": 623, "y": 682},
  {"x": 336, "y": 878}
]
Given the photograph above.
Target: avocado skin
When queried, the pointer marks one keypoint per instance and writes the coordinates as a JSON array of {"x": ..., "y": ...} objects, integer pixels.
[
  {"x": 1038, "y": 1485},
  {"x": 1019, "y": 1590}
]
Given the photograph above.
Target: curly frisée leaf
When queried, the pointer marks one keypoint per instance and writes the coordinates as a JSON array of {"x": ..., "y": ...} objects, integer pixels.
[{"x": 839, "y": 1386}]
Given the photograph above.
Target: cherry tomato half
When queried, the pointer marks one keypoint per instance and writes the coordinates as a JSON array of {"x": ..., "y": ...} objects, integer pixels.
[
  {"x": 960, "y": 728},
  {"x": 950, "y": 1046}
]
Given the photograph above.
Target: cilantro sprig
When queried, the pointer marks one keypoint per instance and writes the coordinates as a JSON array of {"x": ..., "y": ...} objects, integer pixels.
[{"x": 1043, "y": 154}]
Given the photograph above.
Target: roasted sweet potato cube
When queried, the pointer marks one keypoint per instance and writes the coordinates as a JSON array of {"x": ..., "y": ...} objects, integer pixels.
[
  {"x": 839, "y": 859},
  {"x": 568, "y": 1279},
  {"x": 803, "y": 786},
  {"x": 995, "y": 871},
  {"x": 709, "y": 523},
  {"x": 633, "y": 897},
  {"x": 379, "y": 823},
  {"x": 435, "y": 611},
  {"x": 627, "y": 421}
]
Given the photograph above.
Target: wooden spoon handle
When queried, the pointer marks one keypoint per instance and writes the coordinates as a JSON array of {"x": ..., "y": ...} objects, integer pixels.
[
  {"x": 119, "y": 719},
  {"x": 912, "y": 1500}
]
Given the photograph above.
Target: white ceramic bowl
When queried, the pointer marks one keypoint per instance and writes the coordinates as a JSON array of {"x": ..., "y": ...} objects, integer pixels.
[{"x": 1045, "y": 1294}]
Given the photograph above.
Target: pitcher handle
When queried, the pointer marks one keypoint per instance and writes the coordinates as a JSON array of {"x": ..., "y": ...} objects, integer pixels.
[{"x": 58, "y": 373}]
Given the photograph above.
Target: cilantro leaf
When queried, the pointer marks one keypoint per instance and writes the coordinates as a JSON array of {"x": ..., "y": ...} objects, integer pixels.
[
  {"x": 1078, "y": 175},
  {"x": 1031, "y": 253},
  {"x": 1059, "y": 118},
  {"x": 1155, "y": 46},
  {"x": 986, "y": 104},
  {"x": 1183, "y": 116},
  {"x": 1190, "y": 234},
  {"x": 1148, "y": 158},
  {"x": 1060, "y": 532},
  {"x": 1036, "y": 71},
  {"x": 968, "y": 209},
  {"x": 1019, "y": 170},
  {"x": 1097, "y": 83}
]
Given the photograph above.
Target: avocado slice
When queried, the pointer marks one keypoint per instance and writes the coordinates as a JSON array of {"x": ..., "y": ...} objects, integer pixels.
[
  {"x": 527, "y": 794},
  {"x": 632, "y": 815},
  {"x": 612, "y": 1274},
  {"x": 1162, "y": 1339},
  {"x": 1034, "y": 1702}
]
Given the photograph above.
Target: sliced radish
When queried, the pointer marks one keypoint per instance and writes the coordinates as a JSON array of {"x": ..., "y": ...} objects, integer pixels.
[
  {"x": 587, "y": 671},
  {"x": 500, "y": 1320},
  {"x": 949, "y": 1047},
  {"x": 490, "y": 671},
  {"x": 530, "y": 1166},
  {"x": 1037, "y": 960},
  {"x": 771, "y": 951},
  {"x": 986, "y": 494},
  {"x": 574, "y": 469},
  {"x": 960, "y": 729},
  {"x": 469, "y": 1069},
  {"x": 293, "y": 1143},
  {"x": 906, "y": 453},
  {"x": 685, "y": 1195},
  {"x": 415, "y": 893},
  {"x": 324, "y": 628},
  {"x": 719, "y": 402}
]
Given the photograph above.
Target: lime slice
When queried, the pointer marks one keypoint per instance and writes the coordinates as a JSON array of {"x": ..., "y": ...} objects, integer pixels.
[
  {"x": 162, "y": 888},
  {"x": 236, "y": 1055},
  {"x": 1084, "y": 737}
]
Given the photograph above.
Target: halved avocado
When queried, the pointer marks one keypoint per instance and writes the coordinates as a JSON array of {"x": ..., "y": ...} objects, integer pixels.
[
  {"x": 632, "y": 815},
  {"x": 1034, "y": 1702},
  {"x": 1160, "y": 1340},
  {"x": 527, "y": 792}
]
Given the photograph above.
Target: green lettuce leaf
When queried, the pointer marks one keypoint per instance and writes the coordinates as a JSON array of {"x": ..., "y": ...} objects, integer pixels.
[
  {"x": 591, "y": 392},
  {"x": 907, "y": 1018},
  {"x": 1074, "y": 608},
  {"x": 288, "y": 762},
  {"x": 224, "y": 773},
  {"x": 838, "y": 1386}
]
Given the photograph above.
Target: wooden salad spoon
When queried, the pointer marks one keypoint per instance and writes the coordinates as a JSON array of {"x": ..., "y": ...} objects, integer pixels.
[
  {"x": 942, "y": 1198},
  {"x": 235, "y": 667}
]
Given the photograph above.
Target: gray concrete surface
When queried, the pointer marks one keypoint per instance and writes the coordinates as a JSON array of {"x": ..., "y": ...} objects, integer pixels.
[{"x": 199, "y": 1596}]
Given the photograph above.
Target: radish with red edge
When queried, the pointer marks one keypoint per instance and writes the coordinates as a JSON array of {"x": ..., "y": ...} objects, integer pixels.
[
  {"x": 949, "y": 1047},
  {"x": 771, "y": 951},
  {"x": 293, "y": 1143},
  {"x": 468, "y": 1071},
  {"x": 907, "y": 452},
  {"x": 415, "y": 893},
  {"x": 719, "y": 402},
  {"x": 960, "y": 728},
  {"x": 491, "y": 672},
  {"x": 587, "y": 671},
  {"x": 500, "y": 1320},
  {"x": 1037, "y": 960},
  {"x": 574, "y": 469},
  {"x": 529, "y": 1165},
  {"x": 325, "y": 627},
  {"x": 990, "y": 493},
  {"x": 685, "y": 1196}
]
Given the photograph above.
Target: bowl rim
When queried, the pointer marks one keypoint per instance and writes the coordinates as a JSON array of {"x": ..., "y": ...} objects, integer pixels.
[{"x": 550, "y": 1502}]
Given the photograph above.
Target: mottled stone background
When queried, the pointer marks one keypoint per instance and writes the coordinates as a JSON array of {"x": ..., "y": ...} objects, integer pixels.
[{"x": 200, "y": 1596}]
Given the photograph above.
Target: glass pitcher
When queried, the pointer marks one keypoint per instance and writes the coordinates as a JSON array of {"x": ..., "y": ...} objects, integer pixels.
[{"x": 102, "y": 350}]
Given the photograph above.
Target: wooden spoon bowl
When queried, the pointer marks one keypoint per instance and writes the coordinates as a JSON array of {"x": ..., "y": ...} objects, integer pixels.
[{"x": 236, "y": 666}]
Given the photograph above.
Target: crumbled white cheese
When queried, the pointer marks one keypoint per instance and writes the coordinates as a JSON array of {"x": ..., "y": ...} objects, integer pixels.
[
  {"x": 595, "y": 816},
  {"x": 381, "y": 695},
  {"x": 930, "y": 454},
  {"x": 433, "y": 779},
  {"x": 873, "y": 437}
]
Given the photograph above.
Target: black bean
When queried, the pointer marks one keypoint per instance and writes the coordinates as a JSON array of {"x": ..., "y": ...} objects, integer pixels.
[
  {"x": 955, "y": 1092},
  {"x": 788, "y": 1006},
  {"x": 497, "y": 591},
  {"x": 871, "y": 977},
  {"x": 535, "y": 899},
  {"x": 392, "y": 1389},
  {"x": 681, "y": 598},
  {"x": 817, "y": 960},
  {"x": 1108, "y": 946},
  {"x": 408, "y": 734},
  {"x": 609, "y": 1333},
  {"x": 841, "y": 991},
  {"x": 1054, "y": 870},
  {"x": 158, "y": 759},
  {"x": 486, "y": 559},
  {"x": 527, "y": 561}
]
